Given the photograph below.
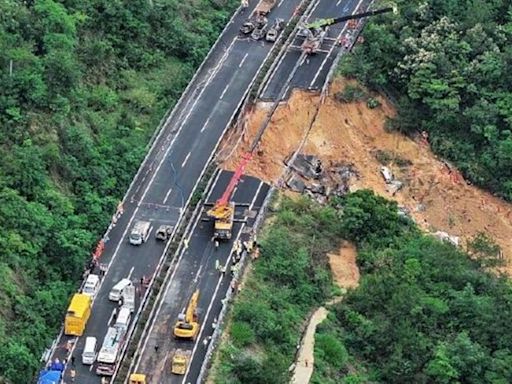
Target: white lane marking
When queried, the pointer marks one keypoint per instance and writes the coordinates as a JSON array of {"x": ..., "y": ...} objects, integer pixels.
[
  {"x": 167, "y": 195},
  {"x": 185, "y": 161},
  {"x": 171, "y": 278},
  {"x": 149, "y": 233},
  {"x": 146, "y": 337},
  {"x": 206, "y": 123},
  {"x": 332, "y": 48},
  {"x": 281, "y": 2},
  {"x": 243, "y": 60},
  {"x": 111, "y": 316},
  {"x": 198, "y": 273},
  {"x": 338, "y": 3},
  {"x": 130, "y": 274},
  {"x": 228, "y": 261}
]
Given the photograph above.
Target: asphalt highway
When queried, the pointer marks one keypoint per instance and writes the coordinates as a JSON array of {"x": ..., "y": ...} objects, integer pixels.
[
  {"x": 195, "y": 269},
  {"x": 175, "y": 162},
  {"x": 312, "y": 74}
]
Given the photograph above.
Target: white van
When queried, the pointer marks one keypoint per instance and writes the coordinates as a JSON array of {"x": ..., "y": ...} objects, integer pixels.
[
  {"x": 123, "y": 318},
  {"x": 91, "y": 285},
  {"x": 89, "y": 354},
  {"x": 140, "y": 232},
  {"x": 117, "y": 291}
]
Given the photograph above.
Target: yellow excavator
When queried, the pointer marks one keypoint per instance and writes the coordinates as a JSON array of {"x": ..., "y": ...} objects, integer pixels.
[{"x": 187, "y": 326}]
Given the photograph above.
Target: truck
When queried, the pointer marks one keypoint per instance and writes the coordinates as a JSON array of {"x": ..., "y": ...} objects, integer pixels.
[
  {"x": 264, "y": 7},
  {"x": 180, "y": 360},
  {"x": 128, "y": 296},
  {"x": 77, "y": 315},
  {"x": 109, "y": 352},
  {"x": 140, "y": 232}
]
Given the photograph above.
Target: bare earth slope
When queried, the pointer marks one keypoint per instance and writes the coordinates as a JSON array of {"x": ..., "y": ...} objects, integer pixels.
[{"x": 438, "y": 198}]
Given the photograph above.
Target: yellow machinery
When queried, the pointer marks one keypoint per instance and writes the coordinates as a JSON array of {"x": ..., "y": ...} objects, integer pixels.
[
  {"x": 223, "y": 212},
  {"x": 180, "y": 360},
  {"x": 187, "y": 326},
  {"x": 137, "y": 378}
]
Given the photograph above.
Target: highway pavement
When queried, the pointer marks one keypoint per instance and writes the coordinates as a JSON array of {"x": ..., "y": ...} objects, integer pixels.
[
  {"x": 312, "y": 74},
  {"x": 164, "y": 183},
  {"x": 195, "y": 269}
]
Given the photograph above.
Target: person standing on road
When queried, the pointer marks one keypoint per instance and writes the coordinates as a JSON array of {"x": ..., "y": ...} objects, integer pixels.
[{"x": 72, "y": 361}]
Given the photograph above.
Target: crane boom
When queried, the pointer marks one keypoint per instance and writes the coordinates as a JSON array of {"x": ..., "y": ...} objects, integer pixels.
[
  {"x": 192, "y": 306},
  {"x": 326, "y": 22}
]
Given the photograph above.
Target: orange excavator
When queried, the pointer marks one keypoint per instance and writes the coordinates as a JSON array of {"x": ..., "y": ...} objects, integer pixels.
[
  {"x": 223, "y": 212},
  {"x": 187, "y": 325}
]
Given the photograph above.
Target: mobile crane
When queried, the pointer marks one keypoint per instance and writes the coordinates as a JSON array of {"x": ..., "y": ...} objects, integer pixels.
[
  {"x": 187, "y": 326},
  {"x": 316, "y": 31},
  {"x": 223, "y": 212}
]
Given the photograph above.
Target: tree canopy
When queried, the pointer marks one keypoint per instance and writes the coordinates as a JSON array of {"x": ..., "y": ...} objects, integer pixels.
[
  {"x": 84, "y": 85},
  {"x": 448, "y": 63}
]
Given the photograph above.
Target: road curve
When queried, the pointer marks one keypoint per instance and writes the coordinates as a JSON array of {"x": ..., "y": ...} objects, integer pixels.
[{"x": 177, "y": 159}]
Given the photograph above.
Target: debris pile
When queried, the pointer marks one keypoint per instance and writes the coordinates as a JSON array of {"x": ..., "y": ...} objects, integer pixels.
[{"x": 308, "y": 175}]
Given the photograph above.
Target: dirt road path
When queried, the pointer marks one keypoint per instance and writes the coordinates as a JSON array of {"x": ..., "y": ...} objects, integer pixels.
[{"x": 304, "y": 364}]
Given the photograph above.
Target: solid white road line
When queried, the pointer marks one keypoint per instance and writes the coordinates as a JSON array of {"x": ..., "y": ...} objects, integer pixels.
[
  {"x": 338, "y": 3},
  {"x": 167, "y": 195},
  {"x": 185, "y": 161},
  {"x": 228, "y": 261},
  {"x": 130, "y": 274},
  {"x": 332, "y": 48},
  {"x": 243, "y": 60}
]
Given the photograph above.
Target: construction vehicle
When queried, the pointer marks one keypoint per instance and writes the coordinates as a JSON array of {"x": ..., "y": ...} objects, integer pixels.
[
  {"x": 137, "y": 378},
  {"x": 187, "y": 326},
  {"x": 316, "y": 32},
  {"x": 109, "y": 352},
  {"x": 223, "y": 212},
  {"x": 264, "y": 7},
  {"x": 180, "y": 360},
  {"x": 273, "y": 32}
]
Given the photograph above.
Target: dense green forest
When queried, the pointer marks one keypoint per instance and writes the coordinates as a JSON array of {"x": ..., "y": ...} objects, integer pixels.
[
  {"x": 424, "y": 311},
  {"x": 288, "y": 280},
  {"x": 449, "y": 65},
  {"x": 83, "y": 86}
]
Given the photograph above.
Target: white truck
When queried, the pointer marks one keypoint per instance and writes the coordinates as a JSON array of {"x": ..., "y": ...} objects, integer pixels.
[{"x": 109, "y": 352}]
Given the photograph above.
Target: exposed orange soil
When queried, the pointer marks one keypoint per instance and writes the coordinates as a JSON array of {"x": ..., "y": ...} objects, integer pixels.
[
  {"x": 343, "y": 266},
  {"x": 351, "y": 134}
]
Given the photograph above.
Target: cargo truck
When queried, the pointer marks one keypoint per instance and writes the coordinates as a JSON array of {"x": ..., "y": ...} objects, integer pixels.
[
  {"x": 264, "y": 7},
  {"x": 77, "y": 315}
]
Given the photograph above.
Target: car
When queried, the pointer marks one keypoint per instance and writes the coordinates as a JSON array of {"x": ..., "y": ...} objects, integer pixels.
[
  {"x": 273, "y": 32},
  {"x": 164, "y": 232},
  {"x": 258, "y": 33},
  {"x": 247, "y": 27}
]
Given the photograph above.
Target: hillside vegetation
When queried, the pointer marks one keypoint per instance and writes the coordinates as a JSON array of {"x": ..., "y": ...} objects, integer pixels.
[
  {"x": 448, "y": 62},
  {"x": 83, "y": 86},
  {"x": 424, "y": 312}
]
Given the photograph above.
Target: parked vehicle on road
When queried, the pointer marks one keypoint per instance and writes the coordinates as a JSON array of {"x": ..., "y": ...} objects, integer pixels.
[
  {"x": 179, "y": 362},
  {"x": 91, "y": 285},
  {"x": 140, "y": 232},
  {"x": 164, "y": 232},
  {"x": 117, "y": 290},
  {"x": 77, "y": 315},
  {"x": 274, "y": 31},
  {"x": 89, "y": 353}
]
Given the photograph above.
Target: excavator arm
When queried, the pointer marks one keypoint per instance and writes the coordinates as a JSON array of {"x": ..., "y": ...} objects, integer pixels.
[{"x": 326, "y": 22}]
